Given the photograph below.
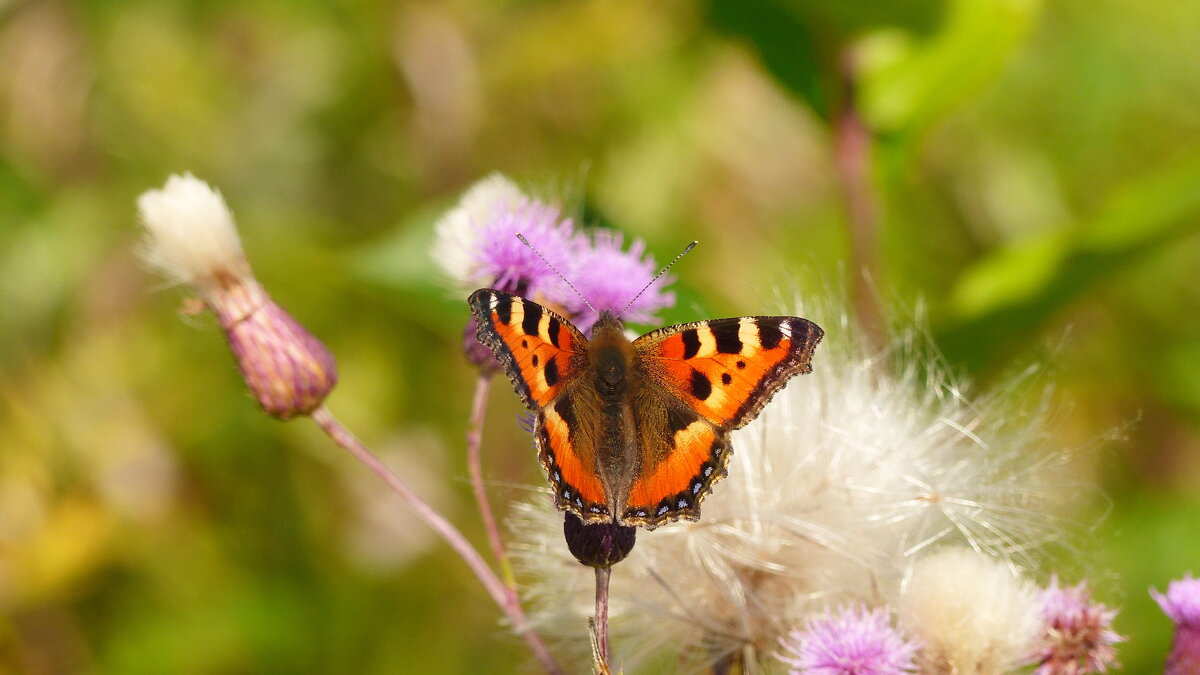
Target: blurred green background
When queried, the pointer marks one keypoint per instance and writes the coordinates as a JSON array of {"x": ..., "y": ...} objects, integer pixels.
[{"x": 1034, "y": 169}]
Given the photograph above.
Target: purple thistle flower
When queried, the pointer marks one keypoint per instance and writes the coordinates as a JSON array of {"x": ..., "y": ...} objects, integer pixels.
[
  {"x": 611, "y": 278},
  {"x": 1077, "y": 636},
  {"x": 477, "y": 241},
  {"x": 1182, "y": 605},
  {"x": 852, "y": 642},
  {"x": 514, "y": 267}
]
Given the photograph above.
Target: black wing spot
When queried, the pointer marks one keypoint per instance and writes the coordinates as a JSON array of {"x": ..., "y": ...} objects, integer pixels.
[
  {"x": 533, "y": 316},
  {"x": 728, "y": 341},
  {"x": 726, "y": 378},
  {"x": 551, "y": 372},
  {"x": 534, "y": 361},
  {"x": 741, "y": 365},
  {"x": 769, "y": 335},
  {"x": 503, "y": 310},
  {"x": 524, "y": 344},
  {"x": 552, "y": 330},
  {"x": 701, "y": 386},
  {"x": 691, "y": 343}
]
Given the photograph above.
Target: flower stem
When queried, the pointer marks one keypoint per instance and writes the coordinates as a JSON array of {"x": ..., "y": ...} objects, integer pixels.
[
  {"x": 475, "y": 467},
  {"x": 600, "y": 622},
  {"x": 346, "y": 440}
]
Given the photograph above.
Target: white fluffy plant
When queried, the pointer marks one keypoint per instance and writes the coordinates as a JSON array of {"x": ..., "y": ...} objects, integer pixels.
[{"x": 848, "y": 477}]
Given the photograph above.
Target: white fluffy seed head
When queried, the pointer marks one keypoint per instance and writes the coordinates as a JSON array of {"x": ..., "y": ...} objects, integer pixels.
[
  {"x": 458, "y": 230},
  {"x": 850, "y": 474},
  {"x": 190, "y": 234},
  {"x": 972, "y": 614}
]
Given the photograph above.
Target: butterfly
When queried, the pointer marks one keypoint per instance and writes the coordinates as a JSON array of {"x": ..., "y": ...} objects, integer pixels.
[{"x": 637, "y": 433}]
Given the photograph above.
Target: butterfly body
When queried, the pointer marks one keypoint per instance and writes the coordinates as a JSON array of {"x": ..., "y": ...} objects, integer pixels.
[{"x": 637, "y": 432}]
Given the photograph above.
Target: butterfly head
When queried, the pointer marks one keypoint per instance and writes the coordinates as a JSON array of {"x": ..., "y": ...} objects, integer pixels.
[{"x": 612, "y": 356}]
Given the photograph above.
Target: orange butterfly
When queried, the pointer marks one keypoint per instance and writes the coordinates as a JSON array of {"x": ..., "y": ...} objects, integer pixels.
[{"x": 637, "y": 432}]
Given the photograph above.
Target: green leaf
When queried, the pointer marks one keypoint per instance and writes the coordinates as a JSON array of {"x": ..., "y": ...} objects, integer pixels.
[
  {"x": 910, "y": 91},
  {"x": 1005, "y": 297}
]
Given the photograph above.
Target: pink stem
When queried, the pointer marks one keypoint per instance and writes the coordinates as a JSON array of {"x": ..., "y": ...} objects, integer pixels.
[
  {"x": 475, "y": 467},
  {"x": 342, "y": 437},
  {"x": 603, "y": 574},
  {"x": 853, "y": 145}
]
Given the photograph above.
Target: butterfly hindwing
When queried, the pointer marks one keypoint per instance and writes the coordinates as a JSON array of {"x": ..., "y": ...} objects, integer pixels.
[
  {"x": 683, "y": 456},
  {"x": 727, "y": 369},
  {"x": 539, "y": 350},
  {"x": 565, "y": 436}
]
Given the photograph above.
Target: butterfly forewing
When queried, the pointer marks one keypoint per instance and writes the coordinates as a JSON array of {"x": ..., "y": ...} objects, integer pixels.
[
  {"x": 538, "y": 349},
  {"x": 727, "y": 369}
]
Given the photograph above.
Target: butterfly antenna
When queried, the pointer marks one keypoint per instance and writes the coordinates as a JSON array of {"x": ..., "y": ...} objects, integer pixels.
[
  {"x": 555, "y": 269},
  {"x": 682, "y": 253}
]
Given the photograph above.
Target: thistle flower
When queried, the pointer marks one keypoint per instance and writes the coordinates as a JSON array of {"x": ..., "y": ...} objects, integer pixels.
[
  {"x": 1077, "y": 633},
  {"x": 1182, "y": 605},
  {"x": 847, "y": 477},
  {"x": 611, "y": 278},
  {"x": 851, "y": 642},
  {"x": 971, "y": 612},
  {"x": 191, "y": 239},
  {"x": 477, "y": 243}
]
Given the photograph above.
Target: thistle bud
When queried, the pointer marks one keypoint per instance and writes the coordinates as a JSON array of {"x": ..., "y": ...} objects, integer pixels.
[
  {"x": 191, "y": 239},
  {"x": 289, "y": 371},
  {"x": 602, "y": 545},
  {"x": 477, "y": 353}
]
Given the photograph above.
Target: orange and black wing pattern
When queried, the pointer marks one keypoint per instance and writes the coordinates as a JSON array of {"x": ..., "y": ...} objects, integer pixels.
[
  {"x": 706, "y": 379},
  {"x": 543, "y": 354},
  {"x": 683, "y": 456},
  {"x": 539, "y": 350},
  {"x": 566, "y": 435},
  {"x": 728, "y": 369}
]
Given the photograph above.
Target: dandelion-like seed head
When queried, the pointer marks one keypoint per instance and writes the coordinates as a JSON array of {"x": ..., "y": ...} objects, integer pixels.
[
  {"x": 972, "y": 613},
  {"x": 1182, "y": 604},
  {"x": 191, "y": 238},
  {"x": 848, "y": 476},
  {"x": 610, "y": 278},
  {"x": 849, "y": 642},
  {"x": 1078, "y": 637}
]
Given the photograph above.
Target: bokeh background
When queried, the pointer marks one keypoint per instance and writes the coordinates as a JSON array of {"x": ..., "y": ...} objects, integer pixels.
[{"x": 1029, "y": 188}]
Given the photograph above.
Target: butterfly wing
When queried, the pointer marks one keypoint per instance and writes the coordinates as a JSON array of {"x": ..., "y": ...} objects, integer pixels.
[
  {"x": 728, "y": 369},
  {"x": 539, "y": 350},
  {"x": 683, "y": 455},
  {"x": 543, "y": 355},
  {"x": 705, "y": 379}
]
